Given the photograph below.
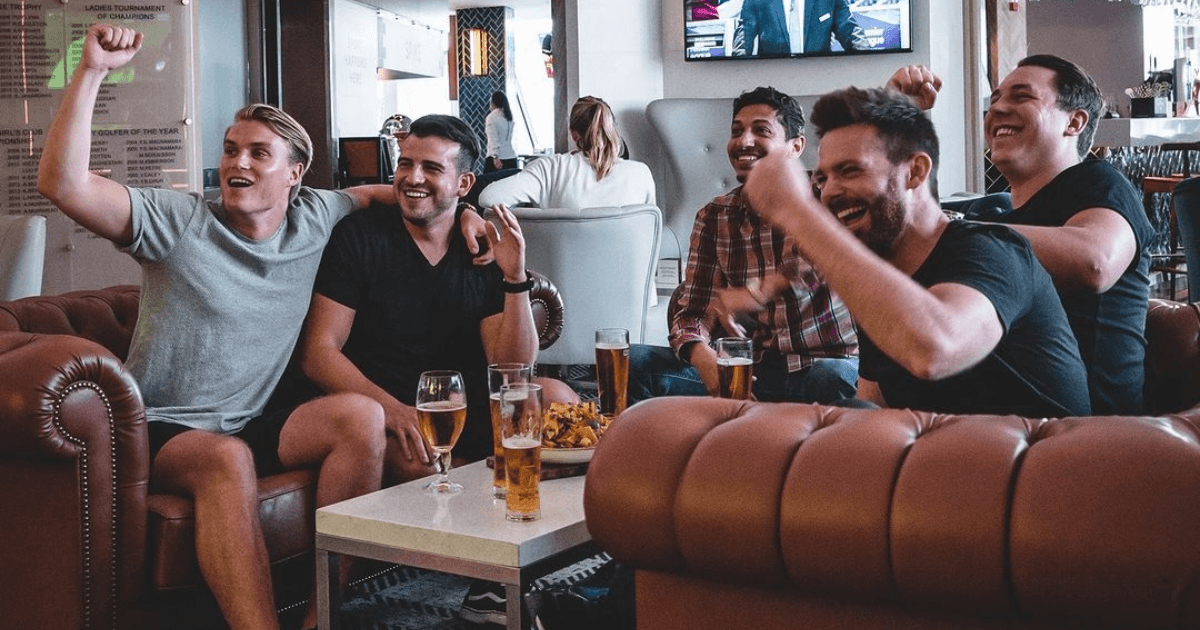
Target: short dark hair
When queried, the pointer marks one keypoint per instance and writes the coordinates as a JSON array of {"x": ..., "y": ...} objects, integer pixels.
[
  {"x": 1076, "y": 90},
  {"x": 450, "y": 128},
  {"x": 905, "y": 129},
  {"x": 788, "y": 112}
]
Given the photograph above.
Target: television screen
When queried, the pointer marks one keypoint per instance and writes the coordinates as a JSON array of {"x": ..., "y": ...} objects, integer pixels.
[{"x": 756, "y": 29}]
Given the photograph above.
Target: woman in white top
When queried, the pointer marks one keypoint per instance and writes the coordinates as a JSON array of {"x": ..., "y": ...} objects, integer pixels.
[
  {"x": 499, "y": 129},
  {"x": 593, "y": 176}
]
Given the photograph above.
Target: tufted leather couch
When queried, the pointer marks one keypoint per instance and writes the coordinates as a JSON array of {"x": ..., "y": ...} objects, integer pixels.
[
  {"x": 85, "y": 542},
  {"x": 752, "y": 515}
]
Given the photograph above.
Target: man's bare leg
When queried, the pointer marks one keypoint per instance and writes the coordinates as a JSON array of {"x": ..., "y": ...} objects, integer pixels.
[
  {"x": 343, "y": 434},
  {"x": 217, "y": 471}
]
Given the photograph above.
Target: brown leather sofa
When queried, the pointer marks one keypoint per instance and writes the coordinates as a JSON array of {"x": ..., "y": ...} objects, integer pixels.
[
  {"x": 84, "y": 541},
  {"x": 753, "y": 515}
]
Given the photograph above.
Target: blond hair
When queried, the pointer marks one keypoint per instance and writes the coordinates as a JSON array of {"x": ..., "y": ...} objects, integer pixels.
[
  {"x": 300, "y": 147},
  {"x": 595, "y": 131}
]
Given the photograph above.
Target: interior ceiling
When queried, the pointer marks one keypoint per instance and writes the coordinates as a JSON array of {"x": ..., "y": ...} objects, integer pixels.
[{"x": 521, "y": 7}]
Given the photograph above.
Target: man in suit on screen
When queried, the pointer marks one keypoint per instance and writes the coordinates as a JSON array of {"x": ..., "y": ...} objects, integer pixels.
[{"x": 783, "y": 27}]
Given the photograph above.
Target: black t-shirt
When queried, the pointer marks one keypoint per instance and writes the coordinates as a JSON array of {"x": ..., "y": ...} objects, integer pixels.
[
  {"x": 411, "y": 316},
  {"x": 1034, "y": 371},
  {"x": 1109, "y": 326}
]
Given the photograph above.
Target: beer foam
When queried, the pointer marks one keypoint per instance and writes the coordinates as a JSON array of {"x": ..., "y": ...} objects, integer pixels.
[
  {"x": 734, "y": 361},
  {"x": 612, "y": 346},
  {"x": 443, "y": 405},
  {"x": 521, "y": 441}
]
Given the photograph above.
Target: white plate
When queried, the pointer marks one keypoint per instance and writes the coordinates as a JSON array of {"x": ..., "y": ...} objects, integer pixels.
[{"x": 567, "y": 455}]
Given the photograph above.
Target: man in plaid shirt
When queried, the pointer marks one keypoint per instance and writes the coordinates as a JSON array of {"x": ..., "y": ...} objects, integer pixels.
[{"x": 744, "y": 278}]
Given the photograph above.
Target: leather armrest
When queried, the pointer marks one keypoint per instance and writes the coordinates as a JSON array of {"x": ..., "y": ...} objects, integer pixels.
[
  {"x": 61, "y": 390},
  {"x": 73, "y": 450},
  {"x": 1172, "y": 356},
  {"x": 547, "y": 305}
]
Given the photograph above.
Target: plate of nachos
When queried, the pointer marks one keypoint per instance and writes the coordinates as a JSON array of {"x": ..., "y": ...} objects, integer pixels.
[{"x": 571, "y": 431}]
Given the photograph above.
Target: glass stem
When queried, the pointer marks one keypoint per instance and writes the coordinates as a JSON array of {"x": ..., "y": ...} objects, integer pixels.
[{"x": 443, "y": 461}]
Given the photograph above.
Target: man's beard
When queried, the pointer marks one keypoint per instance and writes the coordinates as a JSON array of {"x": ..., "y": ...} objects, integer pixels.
[{"x": 886, "y": 212}]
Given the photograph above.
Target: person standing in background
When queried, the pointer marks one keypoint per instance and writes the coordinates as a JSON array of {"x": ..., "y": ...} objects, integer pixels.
[
  {"x": 593, "y": 176},
  {"x": 499, "y": 129}
]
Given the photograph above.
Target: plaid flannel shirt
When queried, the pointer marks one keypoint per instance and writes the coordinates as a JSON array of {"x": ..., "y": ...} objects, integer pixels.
[{"x": 730, "y": 245}]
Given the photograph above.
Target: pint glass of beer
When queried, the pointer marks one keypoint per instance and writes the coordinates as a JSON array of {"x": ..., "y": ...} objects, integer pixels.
[
  {"x": 499, "y": 375},
  {"x": 521, "y": 436},
  {"x": 735, "y": 367},
  {"x": 612, "y": 369}
]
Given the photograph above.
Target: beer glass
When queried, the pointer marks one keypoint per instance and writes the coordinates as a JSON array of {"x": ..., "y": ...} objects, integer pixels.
[
  {"x": 521, "y": 434},
  {"x": 735, "y": 367},
  {"x": 612, "y": 369},
  {"x": 441, "y": 414},
  {"x": 499, "y": 375}
]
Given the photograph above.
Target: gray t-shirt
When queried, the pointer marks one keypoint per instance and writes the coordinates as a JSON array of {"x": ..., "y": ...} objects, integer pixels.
[{"x": 220, "y": 313}]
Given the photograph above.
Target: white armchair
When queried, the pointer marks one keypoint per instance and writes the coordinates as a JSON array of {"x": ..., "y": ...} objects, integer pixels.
[
  {"x": 22, "y": 255},
  {"x": 602, "y": 260}
]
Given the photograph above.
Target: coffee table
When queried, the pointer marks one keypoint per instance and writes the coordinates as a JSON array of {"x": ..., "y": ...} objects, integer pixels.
[{"x": 464, "y": 534}]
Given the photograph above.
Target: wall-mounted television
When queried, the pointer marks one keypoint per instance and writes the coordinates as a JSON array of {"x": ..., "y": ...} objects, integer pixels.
[{"x": 758, "y": 29}]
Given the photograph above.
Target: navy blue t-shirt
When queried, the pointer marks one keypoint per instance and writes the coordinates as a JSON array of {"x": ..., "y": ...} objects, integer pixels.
[
  {"x": 411, "y": 316},
  {"x": 1034, "y": 371},
  {"x": 1109, "y": 326}
]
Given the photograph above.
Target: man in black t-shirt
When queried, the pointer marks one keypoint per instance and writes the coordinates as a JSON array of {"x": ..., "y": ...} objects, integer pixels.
[
  {"x": 954, "y": 316},
  {"x": 1082, "y": 216},
  {"x": 397, "y": 294}
]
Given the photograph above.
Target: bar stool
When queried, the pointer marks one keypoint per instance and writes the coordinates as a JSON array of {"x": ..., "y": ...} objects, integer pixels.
[{"x": 1173, "y": 263}]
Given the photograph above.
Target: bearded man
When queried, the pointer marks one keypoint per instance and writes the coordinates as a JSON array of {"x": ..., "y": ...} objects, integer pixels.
[{"x": 953, "y": 316}]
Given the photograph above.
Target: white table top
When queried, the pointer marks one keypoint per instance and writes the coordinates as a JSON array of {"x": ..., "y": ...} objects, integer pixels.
[{"x": 469, "y": 525}]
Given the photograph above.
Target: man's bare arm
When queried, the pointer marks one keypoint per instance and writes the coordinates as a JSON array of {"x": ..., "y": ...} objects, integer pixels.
[
  {"x": 371, "y": 194},
  {"x": 325, "y": 332},
  {"x": 509, "y": 336},
  {"x": 98, "y": 204},
  {"x": 1089, "y": 252},
  {"x": 932, "y": 332}
]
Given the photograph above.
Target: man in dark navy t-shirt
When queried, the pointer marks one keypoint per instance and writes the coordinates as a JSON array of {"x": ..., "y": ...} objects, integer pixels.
[
  {"x": 397, "y": 294},
  {"x": 1082, "y": 216},
  {"x": 954, "y": 316}
]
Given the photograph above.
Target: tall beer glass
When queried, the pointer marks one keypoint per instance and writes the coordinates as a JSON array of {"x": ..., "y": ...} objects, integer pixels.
[
  {"x": 521, "y": 434},
  {"x": 499, "y": 375},
  {"x": 612, "y": 369},
  {"x": 735, "y": 367},
  {"x": 441, "y": 414}
]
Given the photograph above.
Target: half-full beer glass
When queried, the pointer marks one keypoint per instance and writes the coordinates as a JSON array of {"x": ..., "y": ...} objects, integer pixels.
[
  {"x": 499, "y": 375},
  {"x": 441, "y": 414},
  {"x": 521, "y": 434},
  {"x": 612, "y": 369},
  {"x": 735, "y": 367}
]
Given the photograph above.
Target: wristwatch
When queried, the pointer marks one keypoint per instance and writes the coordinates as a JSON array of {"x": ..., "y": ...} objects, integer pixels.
[{"x": 516, "y": 287}]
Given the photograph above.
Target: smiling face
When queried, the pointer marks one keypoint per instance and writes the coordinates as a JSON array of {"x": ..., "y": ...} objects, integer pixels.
[
  {"x": 1024, "y": 126},
  {"x": 861, "y": 187},
  {"x": 428, "y": 183},
  {"x": 754, "y": 134},
  {"x": 257, "y": 174}
]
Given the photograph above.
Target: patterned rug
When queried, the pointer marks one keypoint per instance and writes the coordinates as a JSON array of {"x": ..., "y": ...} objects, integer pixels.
[{"x": 406, "y": 598}]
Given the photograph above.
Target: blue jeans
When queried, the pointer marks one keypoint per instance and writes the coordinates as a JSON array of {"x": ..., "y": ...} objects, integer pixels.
[{"x": 656, "y": 371}]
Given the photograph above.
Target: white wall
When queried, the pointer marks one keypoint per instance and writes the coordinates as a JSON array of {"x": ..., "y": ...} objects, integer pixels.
[
  {"x": 615, "y": 52},
  {"x": 1115, "y": 62}
]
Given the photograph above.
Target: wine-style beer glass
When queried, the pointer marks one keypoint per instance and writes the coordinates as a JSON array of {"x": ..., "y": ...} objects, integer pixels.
[
  {"x": 735, "y": 367},
  {"x": 612, "y": 369},
  {"x": 441, "y": 414},
  {"x": 499, "y": 375},
  {"x": 521, "y": 434}
]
